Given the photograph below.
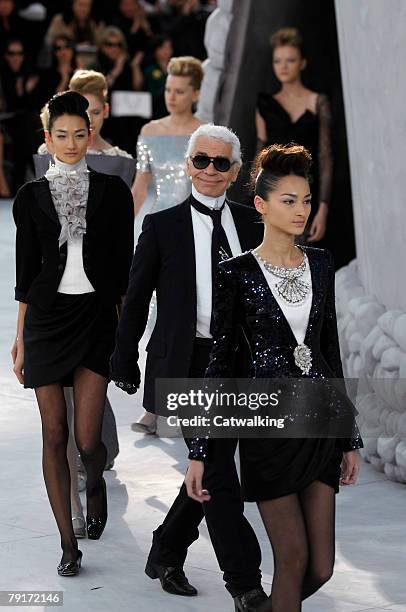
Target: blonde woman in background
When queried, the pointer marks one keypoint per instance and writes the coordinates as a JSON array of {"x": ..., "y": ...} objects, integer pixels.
[
  {"x": 162, "y": 143},
  {"x": 161, "y": 151},
  {"x": 93, "y": 86}
]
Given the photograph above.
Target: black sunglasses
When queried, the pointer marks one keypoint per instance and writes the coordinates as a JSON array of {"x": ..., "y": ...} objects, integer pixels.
[
  {"x": 109, "y": 43},
  {"x": 221, "y": 164},
  {"x": 61, "y": 47},
  {"x": 15, "y": 53}
]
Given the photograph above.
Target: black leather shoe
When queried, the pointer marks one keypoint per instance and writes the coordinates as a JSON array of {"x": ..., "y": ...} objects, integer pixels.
[
  {"x": 71, "y": 568},
  {"x": 96, "y": 524},
  {"x": 173, "y": 579},
  {"x": 251, "y": 601}
]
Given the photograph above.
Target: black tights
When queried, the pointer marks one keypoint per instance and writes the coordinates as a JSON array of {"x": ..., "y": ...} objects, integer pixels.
[
  {"x": 301, "y": 529},
  {"x": 89, "y": 391}
]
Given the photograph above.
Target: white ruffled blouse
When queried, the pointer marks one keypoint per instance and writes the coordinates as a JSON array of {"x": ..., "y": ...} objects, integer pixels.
[{"x": 69, "y": 186}]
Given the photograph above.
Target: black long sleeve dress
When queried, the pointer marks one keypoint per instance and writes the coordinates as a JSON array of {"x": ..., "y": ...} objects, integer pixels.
[
  {"x": 273, "y": 467},
  {"x": 312, "y": 130}
]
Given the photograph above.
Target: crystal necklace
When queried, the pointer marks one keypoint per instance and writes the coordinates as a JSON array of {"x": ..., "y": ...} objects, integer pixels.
[
  {"x": 290, "y": 288},
  {"x": 294, "y": 291}
]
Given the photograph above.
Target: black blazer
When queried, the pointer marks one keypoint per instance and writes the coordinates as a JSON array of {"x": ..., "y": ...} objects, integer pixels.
[
  {"x": 164, "y": 261},
  {"x": 108, "y": 244}
]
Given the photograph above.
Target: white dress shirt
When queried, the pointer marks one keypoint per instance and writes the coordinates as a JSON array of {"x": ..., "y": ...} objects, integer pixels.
[{"x": 202, "y": 231}]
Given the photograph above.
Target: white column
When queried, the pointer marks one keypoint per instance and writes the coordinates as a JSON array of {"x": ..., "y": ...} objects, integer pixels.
[{"x": 371, "y": 292}]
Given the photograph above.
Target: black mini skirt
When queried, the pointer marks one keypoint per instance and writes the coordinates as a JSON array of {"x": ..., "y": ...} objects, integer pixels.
[
  {"x": 272, "y": 468},
  {"x": 79, "y": 330}
]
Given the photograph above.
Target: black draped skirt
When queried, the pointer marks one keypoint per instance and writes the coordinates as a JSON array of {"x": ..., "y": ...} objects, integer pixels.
[
  {"x": 272, "y": 468},
  {"x": 79, "y": 330}
]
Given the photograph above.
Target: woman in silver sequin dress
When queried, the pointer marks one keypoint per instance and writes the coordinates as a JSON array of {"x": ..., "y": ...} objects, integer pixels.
[
  {"x": 161, "y": 149},
  {"x": 162, "y": 143}
]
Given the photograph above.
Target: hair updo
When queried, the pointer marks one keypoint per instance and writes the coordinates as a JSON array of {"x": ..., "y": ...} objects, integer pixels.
[
  {"x": 65, "y": 103},
  {"x": 187, "y": 66},
  {"x": 288, "y": 37},
  {"x": 90, "y": 82},
  {"x": 277, "y": 161}
]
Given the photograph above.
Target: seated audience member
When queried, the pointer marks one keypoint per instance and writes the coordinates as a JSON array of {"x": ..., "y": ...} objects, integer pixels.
[
  {"x": 18, "y": 84},
  {"x": 156, "y": 72},
  {"x": 11, "y": 24},
  {"x": 114, "y": 62},
  {"x": 132, "y": 21},
  {"x": 77, "y": 23},
  {"x": 64, "y": 63},
  {"x": 185, "y": 23}
]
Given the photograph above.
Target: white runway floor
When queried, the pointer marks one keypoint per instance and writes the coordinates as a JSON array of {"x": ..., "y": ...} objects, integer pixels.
[{"x": 370, "y": 566}]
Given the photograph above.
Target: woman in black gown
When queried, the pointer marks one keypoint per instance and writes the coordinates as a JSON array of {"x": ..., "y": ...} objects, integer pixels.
[
  {"x": 297, "y": 114},
  {"x": 283, "y": 297},
  {"x": 74, "y": 248}
]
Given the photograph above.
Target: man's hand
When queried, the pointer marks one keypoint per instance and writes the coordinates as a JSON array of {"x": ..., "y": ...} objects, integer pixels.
[
  {"x": 129, "y": 388},
  {"x": 193, "y": 482},
  {"x": 120, "y": 380}
]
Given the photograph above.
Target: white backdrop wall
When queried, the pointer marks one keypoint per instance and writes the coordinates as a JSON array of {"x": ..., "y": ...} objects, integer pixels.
[
  {"x": 372, "y": 52},
  {"x": 371, "y": 291}
]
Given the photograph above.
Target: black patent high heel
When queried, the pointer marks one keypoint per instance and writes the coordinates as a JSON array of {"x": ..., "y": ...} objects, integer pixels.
[
  {"x": 71, "y": 568},
  {"x": 96, "y": 524}
]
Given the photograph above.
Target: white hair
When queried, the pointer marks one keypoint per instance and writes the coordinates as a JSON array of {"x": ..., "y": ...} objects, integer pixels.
[{"x": 218, "y": 132}]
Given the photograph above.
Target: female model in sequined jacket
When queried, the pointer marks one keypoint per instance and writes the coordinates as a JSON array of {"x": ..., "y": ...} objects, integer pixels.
[{"x": 283, "y": 297}]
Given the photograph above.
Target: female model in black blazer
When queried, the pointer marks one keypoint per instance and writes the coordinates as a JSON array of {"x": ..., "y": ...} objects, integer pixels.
[
  {"x": 74, "y": 248},
  {"x": 283, "y": 296}
]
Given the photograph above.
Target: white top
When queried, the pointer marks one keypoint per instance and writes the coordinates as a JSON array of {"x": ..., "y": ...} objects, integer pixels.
[
  {"x": 202, "y": 231},
  {"x": 297, "y": 315},
  {"x": 74, "y": 280}
]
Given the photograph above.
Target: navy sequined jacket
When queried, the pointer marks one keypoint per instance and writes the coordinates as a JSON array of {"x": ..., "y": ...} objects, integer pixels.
[{"x": 243, "y": 298}]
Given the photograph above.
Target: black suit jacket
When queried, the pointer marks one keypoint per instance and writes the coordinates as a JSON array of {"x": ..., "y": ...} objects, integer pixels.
[
  {"x": 108, "y": 244},
  {"x": 164, "y": 261}
]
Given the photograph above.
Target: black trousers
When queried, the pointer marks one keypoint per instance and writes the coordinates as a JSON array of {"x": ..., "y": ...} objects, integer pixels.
[{"x": 234, "y": 541}]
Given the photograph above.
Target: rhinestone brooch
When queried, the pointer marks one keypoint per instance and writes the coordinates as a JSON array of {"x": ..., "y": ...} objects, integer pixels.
[{"x": 303, "y": 358}]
